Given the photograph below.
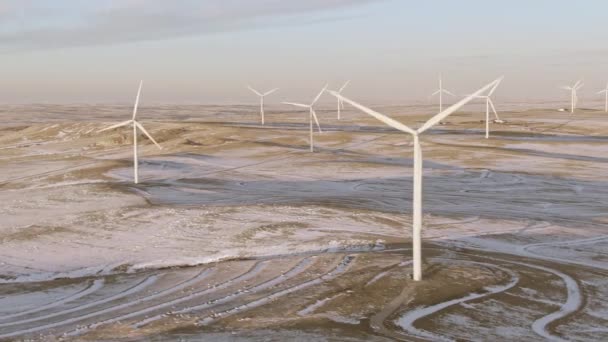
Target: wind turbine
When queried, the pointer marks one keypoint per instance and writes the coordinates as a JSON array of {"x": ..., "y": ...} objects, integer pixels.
[
  {"x": 417, "y": 197},
  {"x": 440, "y": 92},
  {"x": 489, "y": 104},
  {"x": 262, "y": 96},
  {"x": 340, "y": 102},
  {"x": 574, "y": 93},
  {"x": 313, "y": 115},
  {"x": 136, "y": 125},
  {"x": 605, "y": 91}
]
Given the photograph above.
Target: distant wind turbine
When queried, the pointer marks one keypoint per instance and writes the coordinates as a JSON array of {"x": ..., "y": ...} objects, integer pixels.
[
  {"x": 313, "y": 115},
  {"x": 605, "y": 91},
  {"x": 135, "y": 126},
  {"x": 340, "y": 103},
  {"x": 574, "y": 93},
  {"x": 490, "y": 103},
  {"x": 417, "y": 198},
  {"x": 262, "y": 96},
  {"x": 440, "y": 92}
]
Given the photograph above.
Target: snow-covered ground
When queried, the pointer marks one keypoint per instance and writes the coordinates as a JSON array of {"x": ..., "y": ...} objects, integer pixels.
[{"x": 529, "y": 203}]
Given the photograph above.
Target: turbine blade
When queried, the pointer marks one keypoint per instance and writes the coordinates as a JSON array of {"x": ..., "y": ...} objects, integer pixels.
[
  {"x": 437, "y": 92},
  {"x": 296, "y": 104},
  {"x": 492, "y": 106},
  {"x": 137, "y": 100},
  {"x": 566, "y": 88},
  {"x": 147, "y": 134},
  {"x": 314, "y": 115},
  {"x": 495, "y": 86},
  {"x": 344, "y": 86},
  {"x": 391, "y": 122},
  {"x": 319, "y": 96},
  {"x": 270, "y": 91},
  {"x": 115, "y": 126},
  {"x": 448, "y": 92},
  {"x": 579, "y": 86},
  {"x": 439, "y": 117},
  {"x": 254, "y": 91},
  {"x": 602, "y": 91},
  {"x": 577, "y": 83}
]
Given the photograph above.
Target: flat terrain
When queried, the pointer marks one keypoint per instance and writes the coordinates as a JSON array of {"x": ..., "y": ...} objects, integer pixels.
[{"x": 237, "y": 232}]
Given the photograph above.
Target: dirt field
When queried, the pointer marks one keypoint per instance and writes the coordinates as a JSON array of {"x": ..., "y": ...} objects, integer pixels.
[{"x": 236, "y": 232}]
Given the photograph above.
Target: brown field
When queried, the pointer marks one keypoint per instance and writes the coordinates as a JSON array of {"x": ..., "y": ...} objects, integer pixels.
[{"x": 236, "y": 232}]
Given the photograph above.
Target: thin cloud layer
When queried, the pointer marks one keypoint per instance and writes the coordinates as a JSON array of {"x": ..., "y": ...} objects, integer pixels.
[{"x": 38, "y": 24}]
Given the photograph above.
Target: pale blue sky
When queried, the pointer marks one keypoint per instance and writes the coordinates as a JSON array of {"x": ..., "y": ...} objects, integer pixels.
[{"x": 206, "y": 51}]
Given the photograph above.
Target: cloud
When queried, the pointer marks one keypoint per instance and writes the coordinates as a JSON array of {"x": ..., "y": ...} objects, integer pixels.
[{"x": 38, "y": 24}]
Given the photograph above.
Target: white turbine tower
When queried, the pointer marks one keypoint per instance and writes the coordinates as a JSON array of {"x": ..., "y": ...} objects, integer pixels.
[
  {"x": 440, "y": 92},
  {"x": 574, "y": 93},
  {"x": 417, "y": 197},
  {"x": 262, "y": 96},
  {"x": 605, "y": 91},
  {"x": 340, "y": 102},
  {"x": 136, "y": 125},
  {"x": 490, "y": 104},
  {"x": 312, "y": 114}
]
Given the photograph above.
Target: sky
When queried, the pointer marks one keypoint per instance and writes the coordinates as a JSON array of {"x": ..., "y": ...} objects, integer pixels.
[{"x": 207, "y": 51}]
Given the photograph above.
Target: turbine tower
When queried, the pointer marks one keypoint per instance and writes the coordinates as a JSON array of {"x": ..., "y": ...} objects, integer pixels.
[
  {"x": 312, "y": 115},
  {"x": 340, "y": 102},
  {"x": 440, "y": 92},
  {"x": 490, "y": 104},
  {"x": 574, "y": 93},
  {"x": 605, "y": 91},
  {"x": 136, "y": 125},
  {"x": 417, "y": 198},
  {"x": 262, "y": 96}
]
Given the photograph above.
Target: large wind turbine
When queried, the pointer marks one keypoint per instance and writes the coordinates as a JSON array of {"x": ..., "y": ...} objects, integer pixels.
[
  {"x": 313, "y": 115},
  {"x": 605, "y": 91},
  {"x": 489, "y": 104},
  {"x": 440, "y": 92},
  {"x": 262, "y": 96},
  {"x": 136, "y": 125},
  {"x": 417, "y": 198},
  {"x": 574, "y": 93},
  {"x": 340, "y": 102}
]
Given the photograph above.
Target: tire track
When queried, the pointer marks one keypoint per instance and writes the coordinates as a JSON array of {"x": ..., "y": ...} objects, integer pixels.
[
  {"x": 251, "y": 272},
  {"x": 386, "y": 272},
  {"x": 341, "y": 268},
  {"x": 573, "y": 303},
  {"x": 140, "y": 286},
  {"x": 526, "y": 250},
  {"x": 93, "y": 287},
  {"x": 299, "y": 268},
  {"x": 408, "y": 320},
  {"x": 574, "y": 299},
  {"x": 200, "y": 276}
]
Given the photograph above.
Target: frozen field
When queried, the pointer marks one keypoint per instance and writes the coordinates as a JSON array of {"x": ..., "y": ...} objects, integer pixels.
[{"x": 237, "y": 232}]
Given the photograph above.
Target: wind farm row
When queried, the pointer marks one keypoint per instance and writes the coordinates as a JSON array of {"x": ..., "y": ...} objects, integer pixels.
[
  {"x": 405, "y": 223},
  {"x": 485, "y": 93}
]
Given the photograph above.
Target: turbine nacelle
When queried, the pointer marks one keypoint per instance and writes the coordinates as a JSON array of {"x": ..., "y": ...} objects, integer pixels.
[
  {"x": 313, "y": 114},
  {"x": 574, "y": 93},
  {"x": 605, "y": 91},
  {"x": 340, "y": 102},
  {"x": 417, "y": 197},
  {"x": 440, "y": 92},
  {"x": 490, "y": 105},
  {"x": 262, "y": 96},
  {"x": 136, "y": 126}
]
